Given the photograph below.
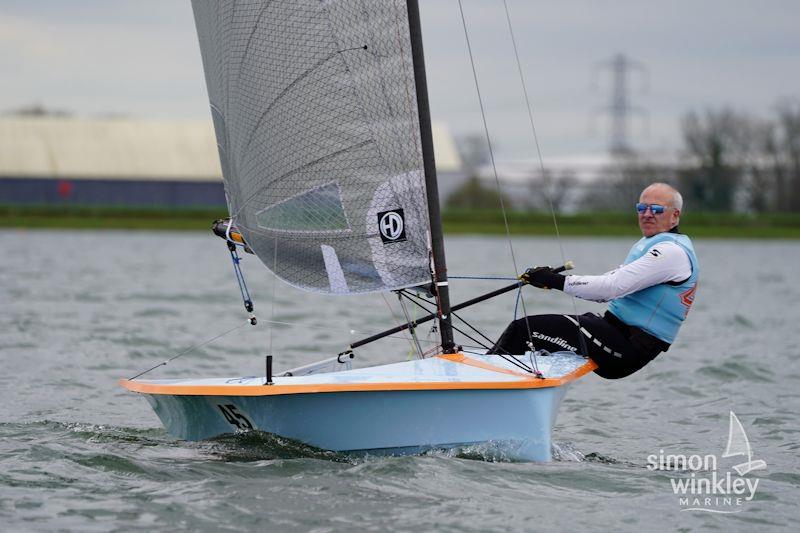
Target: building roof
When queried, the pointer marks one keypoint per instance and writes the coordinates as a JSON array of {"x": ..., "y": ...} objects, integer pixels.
[{"x": 125, "y": 148}]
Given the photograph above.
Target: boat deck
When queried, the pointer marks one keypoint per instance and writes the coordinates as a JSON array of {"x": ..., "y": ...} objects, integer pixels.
[{"x": 446, "y": 371}]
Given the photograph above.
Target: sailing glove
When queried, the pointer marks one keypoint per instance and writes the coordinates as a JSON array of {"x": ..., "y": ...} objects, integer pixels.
[{"x": 543, "y": 278}]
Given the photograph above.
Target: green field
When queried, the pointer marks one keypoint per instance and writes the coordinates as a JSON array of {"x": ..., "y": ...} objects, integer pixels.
[
  {"x": 198, "y": 219},
  {"x": 729, "y": 225},
  {"x": 486, "y": 222}
]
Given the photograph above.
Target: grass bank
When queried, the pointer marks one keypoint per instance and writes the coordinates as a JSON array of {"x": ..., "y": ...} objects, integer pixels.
[
  {"x": 723, "y": 225},
  {"x": 142, "y": 218},
  {"x": 456, "y": 221}
]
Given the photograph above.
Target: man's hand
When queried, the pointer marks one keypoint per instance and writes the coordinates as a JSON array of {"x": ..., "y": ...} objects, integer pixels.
[{"x": 543, "y": 278}]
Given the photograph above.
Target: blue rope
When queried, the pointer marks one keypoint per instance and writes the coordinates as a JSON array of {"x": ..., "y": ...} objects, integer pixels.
[
  {"x": 248, "y": 303},
  {"x": 481, "y": 277},
  {"x": 519, "y": 291}
]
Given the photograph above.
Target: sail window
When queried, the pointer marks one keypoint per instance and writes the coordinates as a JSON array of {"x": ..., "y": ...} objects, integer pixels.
[{"x": 314, "y": 211}]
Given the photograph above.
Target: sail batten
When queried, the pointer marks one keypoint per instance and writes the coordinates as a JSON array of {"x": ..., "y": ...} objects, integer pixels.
[{"x": 315, "y": 112}]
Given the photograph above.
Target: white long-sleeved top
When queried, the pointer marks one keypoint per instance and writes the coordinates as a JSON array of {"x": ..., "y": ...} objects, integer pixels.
[{"x": 663, "y": 262}]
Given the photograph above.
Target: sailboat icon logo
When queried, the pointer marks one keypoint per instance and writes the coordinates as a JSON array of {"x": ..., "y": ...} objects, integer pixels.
[
  {"x": 701, "y": 486},
  {"x": 738, "y": 444}
]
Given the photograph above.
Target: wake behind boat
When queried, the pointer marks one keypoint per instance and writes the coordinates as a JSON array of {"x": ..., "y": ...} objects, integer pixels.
[{"x": 321, "y": 116}]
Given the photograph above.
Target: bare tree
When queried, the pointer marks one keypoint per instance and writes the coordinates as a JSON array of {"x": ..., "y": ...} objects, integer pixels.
[
  {"x": 622, "y": 182},
  {"x": 474, "y": 152},
  {"x": 786, "y": 156},
  {"x": 730, "y": 160},
  {"x": 475, "y": 195},
  {"x": 765, "y": 155},
  {"x": 757, "y": 176},
  {"x": 549, "y": 189},
  {"x": 716, "y": 148}
]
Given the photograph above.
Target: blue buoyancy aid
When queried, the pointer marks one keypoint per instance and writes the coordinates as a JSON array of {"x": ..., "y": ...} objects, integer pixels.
[{"x": 661, "y": 309}]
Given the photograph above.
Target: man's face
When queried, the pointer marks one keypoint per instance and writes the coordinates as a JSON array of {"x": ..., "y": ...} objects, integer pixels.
[{"x": 651, "y": 224}]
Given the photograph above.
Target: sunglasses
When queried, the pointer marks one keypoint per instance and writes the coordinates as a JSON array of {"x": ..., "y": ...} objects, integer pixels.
[{"x": 656, "y": 209}]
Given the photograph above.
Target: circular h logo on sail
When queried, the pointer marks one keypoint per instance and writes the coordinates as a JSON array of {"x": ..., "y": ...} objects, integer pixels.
[{"x": 391, "y": 225}]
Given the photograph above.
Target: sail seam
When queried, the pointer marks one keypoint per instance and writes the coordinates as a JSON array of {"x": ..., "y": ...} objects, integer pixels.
[
  {"x": 280, "y": 95},
  {"x": 301, "y": 168}
]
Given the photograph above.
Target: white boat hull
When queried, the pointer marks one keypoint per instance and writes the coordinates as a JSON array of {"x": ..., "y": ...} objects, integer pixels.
[
  {"x": 442, "y": 407},
  {"x": 518, "y": 422}
]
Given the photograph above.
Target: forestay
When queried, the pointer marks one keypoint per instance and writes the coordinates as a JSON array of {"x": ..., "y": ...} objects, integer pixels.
[{"x": 315, "y": 113}]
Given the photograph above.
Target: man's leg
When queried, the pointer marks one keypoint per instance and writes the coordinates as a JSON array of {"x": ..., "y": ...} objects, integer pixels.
[
  {"x": 585, "y": 334},
  {"x": 546, "y": 332}
]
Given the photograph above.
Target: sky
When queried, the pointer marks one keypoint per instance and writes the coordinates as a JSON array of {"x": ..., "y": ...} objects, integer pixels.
[{"x": 140, "y": 58}]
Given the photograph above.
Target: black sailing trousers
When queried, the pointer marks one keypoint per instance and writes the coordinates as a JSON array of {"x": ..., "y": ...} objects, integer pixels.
[{"x": 588, "y": 334}]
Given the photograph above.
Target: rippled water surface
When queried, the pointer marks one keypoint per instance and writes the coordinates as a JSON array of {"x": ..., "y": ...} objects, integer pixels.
[{"x": 82, "y": 309}]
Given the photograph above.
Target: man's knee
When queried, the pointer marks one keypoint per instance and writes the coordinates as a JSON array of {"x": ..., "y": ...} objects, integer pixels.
[
  {"x": 620, "y": 369},
  {"x": 614, "y": 372}
]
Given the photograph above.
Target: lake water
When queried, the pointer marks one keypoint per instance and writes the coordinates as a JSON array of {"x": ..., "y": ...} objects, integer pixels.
[{"x": 82, "y": 309}]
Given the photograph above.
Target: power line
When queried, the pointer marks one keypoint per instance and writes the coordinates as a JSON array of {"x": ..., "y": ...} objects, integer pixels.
[{"x": 620, "y": 107}]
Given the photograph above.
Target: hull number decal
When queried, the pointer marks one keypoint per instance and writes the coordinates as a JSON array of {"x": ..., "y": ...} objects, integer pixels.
[{"x": 234, "y": 417}]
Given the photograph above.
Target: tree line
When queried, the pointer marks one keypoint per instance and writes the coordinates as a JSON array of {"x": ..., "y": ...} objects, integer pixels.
[{"x": 728, "y": 161}]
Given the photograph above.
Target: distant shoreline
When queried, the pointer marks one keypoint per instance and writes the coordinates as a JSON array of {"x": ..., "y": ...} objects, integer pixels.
[{"x": 456, "y": 221}]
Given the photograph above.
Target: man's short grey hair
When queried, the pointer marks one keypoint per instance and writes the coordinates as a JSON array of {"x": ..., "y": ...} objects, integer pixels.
[{"x": 677, "y": 199}]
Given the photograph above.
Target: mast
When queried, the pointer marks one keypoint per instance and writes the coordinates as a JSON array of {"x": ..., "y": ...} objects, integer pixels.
[{"x": 431, "y": 186}]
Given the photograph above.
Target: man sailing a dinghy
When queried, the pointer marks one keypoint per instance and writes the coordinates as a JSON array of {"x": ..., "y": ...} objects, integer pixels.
[{"x": 650, "y": 296}]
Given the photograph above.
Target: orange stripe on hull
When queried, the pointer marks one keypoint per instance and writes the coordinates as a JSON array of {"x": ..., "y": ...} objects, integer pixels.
[{"x": 527, "y": 382}]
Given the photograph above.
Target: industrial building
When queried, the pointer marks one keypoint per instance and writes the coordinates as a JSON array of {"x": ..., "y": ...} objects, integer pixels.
[{"x": 58, "y": 160}]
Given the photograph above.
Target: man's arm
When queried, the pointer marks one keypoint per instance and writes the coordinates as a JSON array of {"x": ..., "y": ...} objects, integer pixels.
[{"x": 663, "y": 262}]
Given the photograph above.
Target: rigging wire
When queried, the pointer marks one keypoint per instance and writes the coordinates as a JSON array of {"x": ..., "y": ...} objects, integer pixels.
[
  {"x": 547, "y": 195},
  {"x": 280, "y": 323},
  {"x": 415, "y": 299},
  {"x": 507, "y": 357},
  {"x": 411, "y": 329},
  {"x": 397, "y": 319},
  {"x": 516, "y": 301},
  {"x": 488, "y": 138},
  {"x": 420, "y": 303},
  {"x": 191, "y": 348},
  {"x": 529, "y": 108},
  {"x": 494, "y": 165},
  {"x": 274, "y": 283}
]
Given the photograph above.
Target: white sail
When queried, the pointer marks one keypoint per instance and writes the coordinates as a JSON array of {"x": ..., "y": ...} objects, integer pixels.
[
  {"x": 314, "y": 107},
  {"x": 738, "y": 444}
]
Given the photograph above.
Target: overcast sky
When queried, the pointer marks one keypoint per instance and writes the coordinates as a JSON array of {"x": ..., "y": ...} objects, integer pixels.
[{"x": 141, "y": 58}]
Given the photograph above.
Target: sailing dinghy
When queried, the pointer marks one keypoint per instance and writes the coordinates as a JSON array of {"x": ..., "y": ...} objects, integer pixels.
[{"x": 321, "y": 116}]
